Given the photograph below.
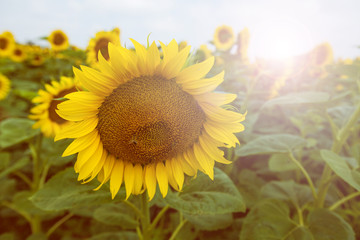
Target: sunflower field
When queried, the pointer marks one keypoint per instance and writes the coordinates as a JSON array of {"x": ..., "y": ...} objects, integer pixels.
[{"x": 158, "y": 140}]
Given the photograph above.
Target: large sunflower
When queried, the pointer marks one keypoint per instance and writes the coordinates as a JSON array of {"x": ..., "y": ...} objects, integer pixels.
[
  {"x": 44, "y": 113},
  {"x": 4, "y": 86},
  {"x": 224, "y": 37},
  {"x": 7, "y": 44},
  {"x": 58, "y": 40},
  {"x": 146, "y": 120},
  {"x": 100, "y": 43}
]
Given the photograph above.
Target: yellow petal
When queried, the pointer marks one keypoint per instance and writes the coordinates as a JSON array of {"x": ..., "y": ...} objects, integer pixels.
[
  {"x": 78, "y": 129},
  {"x": 170, "y": 175},
  {"x": 80, "y": 144},
  {"x": 221, "y": 134},
  {"x": 212, "y": 149},
  {"x": 173, "y": 67},
  {"x": 85, "y": 154},
  {"x": 162, "y": 178},
  {"x": 150, "y": 180},
  {"x": 178, "y": 172},
  {"x": 91, "y": 163},
  {"x": 196, "y": 71},
  {"x": 116, "y": 179},
  {"x": 203, "y": 85},
  {"x": 138, "y": 181},
  {"x": 221, "y": 115},
  {"x": 129, "y": 178},
  {"x": 85, "y": 98},
  {"x": 215, "y": 98},
  {"x": 206, "y": 163}
]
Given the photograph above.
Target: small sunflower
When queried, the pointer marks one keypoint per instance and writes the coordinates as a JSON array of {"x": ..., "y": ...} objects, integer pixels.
[
  {"x": 18, "y": 54},
  {"x": 100, "y": 43},
  {"x": 242, "y": 43},
  {"x": 146, "y": 120},
  {"x": 58, "y": 40},
  {"x": 224, "y": 38},
  {"x": 4, "y": 86},
  {"x": 7, "y": 44},
  {"x": 44, "y": 113},
  {"x": 322, "y": 55},
  {"x": 203, "y": 53}
]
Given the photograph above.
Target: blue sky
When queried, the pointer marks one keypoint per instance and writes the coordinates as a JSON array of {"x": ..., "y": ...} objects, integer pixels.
[{"x": 300, "y": 24}]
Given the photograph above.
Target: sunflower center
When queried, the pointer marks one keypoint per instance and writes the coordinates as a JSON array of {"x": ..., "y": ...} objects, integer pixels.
[
  {"x": 224, "y": 36},
  {"x": 53, "y": 116},
  {"x": 18, "y": 52},
  {"x": 102, "y": 45},
  {"x": 59, "y": 39},
  {"x": 149, "y": 119},
  {"x": 3, "y": 43}
]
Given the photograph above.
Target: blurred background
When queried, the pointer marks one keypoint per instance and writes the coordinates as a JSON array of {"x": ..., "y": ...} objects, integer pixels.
[{"x": 279, "y": 28}]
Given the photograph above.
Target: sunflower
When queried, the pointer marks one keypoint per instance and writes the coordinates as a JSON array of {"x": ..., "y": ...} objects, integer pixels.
[
  {"x": 18, "y": 54},
  {"x": 243, "y": 43},
  {"x": 4, "y": 86},
  {"x": 58, "y": 40},
  {"x": 322, "y": 55},
  {"x": 7, "y": 44},
  {"x": 146, "y": 120},
  {"x": 224, "y": 38},
  {"x": 203, "y": 53},
  {"x": 47, "y": 119},
  {"x": 100, "y": 43}
]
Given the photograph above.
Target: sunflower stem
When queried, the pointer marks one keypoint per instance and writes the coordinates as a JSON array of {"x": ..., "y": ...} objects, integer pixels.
[
  {"x": 343, "y": 200},
  {"x": 339, "y": 140},
  {"x": 178, "y": 228},
  {"x": 158, "y": 217},
  {"x": 145, "y": 219}
]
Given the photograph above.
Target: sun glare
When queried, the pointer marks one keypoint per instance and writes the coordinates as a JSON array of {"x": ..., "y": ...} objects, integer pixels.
[{"x": 280, "y": 39}]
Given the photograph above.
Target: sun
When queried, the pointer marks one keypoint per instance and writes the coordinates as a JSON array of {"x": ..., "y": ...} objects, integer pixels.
[{"x": 279, "y": 38}]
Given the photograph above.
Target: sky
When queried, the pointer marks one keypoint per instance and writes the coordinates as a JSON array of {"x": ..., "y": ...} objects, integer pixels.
[{"x": 278, "y": 28}]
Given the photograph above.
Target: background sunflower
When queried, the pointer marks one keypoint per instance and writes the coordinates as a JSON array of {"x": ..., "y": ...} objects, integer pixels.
[
  {"x": 47, "y": 101},
  {"x": 100, "y": 44},
  {"x": 224, "y": 37},
  {"x": 4, "y": 86},
  {"x": 58, "y": 40}
]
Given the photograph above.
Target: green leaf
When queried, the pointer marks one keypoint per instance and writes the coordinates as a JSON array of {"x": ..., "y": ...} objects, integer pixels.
[
  {"x": 327, "y": 225},
  {"x": 203, "y": 196},
  {"x": 210, "y": 222},
  {"x": 63, "y": 191},
  {"x": 7, "y": 236},
  {"x": 52, "y": 151},
  {"x": 118, "y": 214},
  {"x": 16, "y": 130},
  {"x": 23, "y": 204},
  {"x": 14, "y": 167},
  {"x": 269, "y": 219},
  {"x": 288, "y": 191},
  {"x": 4, "y": 159},
  {"x": 249, "y": 184},
  {"x": 341, "y": 168},
  {"x": 275, "y": 143},
  {"x": 115, "y": 236},
  {"x": 281, "y": 163},
  {"x": 298, "y": 98}
]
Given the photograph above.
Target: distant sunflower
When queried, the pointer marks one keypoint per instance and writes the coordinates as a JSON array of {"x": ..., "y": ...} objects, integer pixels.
[
  {"x": 18, "y": 54},
  {"x": 58, "y": 40},
  {"x": 100, "y": 43},
  {"x": 322, "y": 55},
  {"x": 7, "y": 44},
  {"x": 4, "y": 86},
  {"x": 242, "y": 43},
  {"x": 224, "y": 38},
  {"x": 147, "y": 120},
  {"x": 203, "y": 53},
  {"x": 44, "y": 113}
]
